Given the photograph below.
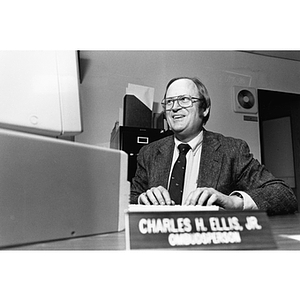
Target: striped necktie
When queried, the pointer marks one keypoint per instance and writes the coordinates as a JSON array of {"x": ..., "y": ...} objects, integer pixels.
[{"x": 177, "y": 177}]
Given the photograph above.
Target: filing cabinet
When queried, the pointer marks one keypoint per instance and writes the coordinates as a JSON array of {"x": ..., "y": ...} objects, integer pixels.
[{"x": 132, "y": 139}]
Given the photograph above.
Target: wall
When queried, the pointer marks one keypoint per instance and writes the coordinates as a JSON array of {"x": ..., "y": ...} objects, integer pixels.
[{"x": 106, "y": 74}]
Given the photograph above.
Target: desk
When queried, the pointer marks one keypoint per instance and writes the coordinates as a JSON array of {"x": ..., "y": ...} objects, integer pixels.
[{"x": 282, "y": 227}]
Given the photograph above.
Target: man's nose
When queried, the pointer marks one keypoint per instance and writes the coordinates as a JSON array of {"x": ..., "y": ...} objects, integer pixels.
[{"x": 176, "y": 106}]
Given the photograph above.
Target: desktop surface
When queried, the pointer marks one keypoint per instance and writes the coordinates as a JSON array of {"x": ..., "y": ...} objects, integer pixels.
[{"x": 285, "y": 228}]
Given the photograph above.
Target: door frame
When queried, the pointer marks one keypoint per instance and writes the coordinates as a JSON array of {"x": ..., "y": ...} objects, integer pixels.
[{"x": 276, "y": 104}]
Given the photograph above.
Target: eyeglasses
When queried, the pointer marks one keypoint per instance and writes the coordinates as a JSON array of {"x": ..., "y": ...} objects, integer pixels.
[{"x": 184, "y": 101}]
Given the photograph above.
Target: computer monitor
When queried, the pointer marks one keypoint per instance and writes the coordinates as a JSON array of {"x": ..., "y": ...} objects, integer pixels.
[{"x": 54, "y": 189}]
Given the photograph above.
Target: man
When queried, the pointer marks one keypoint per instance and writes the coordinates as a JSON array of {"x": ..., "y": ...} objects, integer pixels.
[{"x": 218, "y": 170}]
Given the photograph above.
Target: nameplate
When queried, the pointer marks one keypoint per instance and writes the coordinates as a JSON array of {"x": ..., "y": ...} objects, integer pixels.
[{"x": 205, "y": 228}]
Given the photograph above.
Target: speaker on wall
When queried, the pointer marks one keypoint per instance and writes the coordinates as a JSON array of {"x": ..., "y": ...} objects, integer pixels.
[{"x": 245, "y": 100}]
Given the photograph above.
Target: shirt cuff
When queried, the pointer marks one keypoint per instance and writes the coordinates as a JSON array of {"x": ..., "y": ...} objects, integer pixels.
[{"x": 248, "y": 201}]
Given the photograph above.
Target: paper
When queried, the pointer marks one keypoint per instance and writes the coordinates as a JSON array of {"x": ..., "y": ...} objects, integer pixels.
[
  {"x": 294, "y": 237},
  {"x": 121, "y": 114},
  {"x": 167, "y": 208},
  {"x": 143, "y": 93}
]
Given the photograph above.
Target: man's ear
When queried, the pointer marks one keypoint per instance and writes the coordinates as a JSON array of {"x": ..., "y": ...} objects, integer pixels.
[{"x": 206, "y": 111}]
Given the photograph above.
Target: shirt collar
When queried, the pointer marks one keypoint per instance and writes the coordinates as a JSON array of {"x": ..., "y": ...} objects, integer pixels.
[{"x": 194, "y": 143}]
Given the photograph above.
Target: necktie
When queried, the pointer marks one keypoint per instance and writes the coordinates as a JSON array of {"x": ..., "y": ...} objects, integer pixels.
[{"x": 177, "y": 177}]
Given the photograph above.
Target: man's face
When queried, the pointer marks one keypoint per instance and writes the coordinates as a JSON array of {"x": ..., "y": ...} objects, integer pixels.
[{"x": 184, "y": 122}]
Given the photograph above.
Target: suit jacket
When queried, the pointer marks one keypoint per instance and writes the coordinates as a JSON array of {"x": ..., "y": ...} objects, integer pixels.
[{"x": 226, "y": 165}]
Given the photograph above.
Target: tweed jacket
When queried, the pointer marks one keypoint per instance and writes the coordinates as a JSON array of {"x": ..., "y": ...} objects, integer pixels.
[{"x": 226, "y": 165}]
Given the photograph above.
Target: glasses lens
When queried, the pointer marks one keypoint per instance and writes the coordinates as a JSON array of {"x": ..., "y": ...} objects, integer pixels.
[
  {"x": 185, "y": 101},
  {"x": 167, "y": 103}
]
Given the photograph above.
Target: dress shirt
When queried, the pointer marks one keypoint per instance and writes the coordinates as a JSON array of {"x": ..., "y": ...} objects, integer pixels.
[{"x": 192, "y": 164}]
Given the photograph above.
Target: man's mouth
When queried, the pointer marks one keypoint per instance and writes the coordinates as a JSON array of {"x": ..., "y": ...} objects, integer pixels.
[{"x": 176, "y": 117}]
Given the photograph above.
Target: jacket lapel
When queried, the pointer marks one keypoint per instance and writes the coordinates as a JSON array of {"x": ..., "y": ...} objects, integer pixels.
[
  {"x": 164, "y": 161},
  {"x": 211, "y": 161}
]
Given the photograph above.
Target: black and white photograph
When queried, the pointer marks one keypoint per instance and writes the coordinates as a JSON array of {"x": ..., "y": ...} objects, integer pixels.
[{"x": 158, "y": 144}]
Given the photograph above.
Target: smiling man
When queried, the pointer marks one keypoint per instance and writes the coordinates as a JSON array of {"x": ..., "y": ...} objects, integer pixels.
[
  {"x": 186, "y": 122},
  {"x": 199, "y": 167}
]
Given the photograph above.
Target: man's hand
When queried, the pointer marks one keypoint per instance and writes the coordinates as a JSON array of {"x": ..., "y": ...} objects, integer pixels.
[
  {"x": 209, "y": 196},
  {"x": 156, "y": 196}
]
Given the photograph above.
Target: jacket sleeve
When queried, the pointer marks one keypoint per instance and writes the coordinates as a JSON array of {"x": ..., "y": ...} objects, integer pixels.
[
  {"x": 140, "y": 180},
  {"x": 269, "y": 193}
]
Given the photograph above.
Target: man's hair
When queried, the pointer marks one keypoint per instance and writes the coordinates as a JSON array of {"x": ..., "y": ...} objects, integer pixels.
[{"x": 203, "y": 93}]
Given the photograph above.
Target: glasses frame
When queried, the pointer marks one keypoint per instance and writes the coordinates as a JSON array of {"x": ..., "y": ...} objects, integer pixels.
[{"x": 178, "y": 98}]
